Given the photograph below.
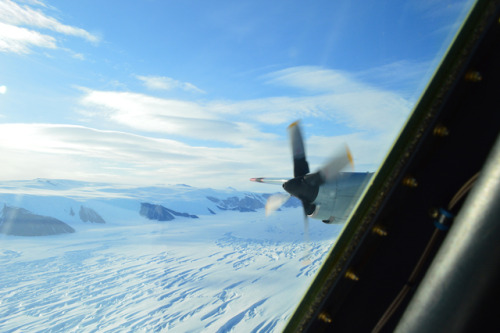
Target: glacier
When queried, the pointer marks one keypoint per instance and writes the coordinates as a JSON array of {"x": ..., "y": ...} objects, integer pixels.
[{"x": 229, "y": 269}]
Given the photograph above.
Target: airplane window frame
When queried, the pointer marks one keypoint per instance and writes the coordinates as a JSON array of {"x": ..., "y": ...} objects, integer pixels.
[{"x": 393, "y": 172}]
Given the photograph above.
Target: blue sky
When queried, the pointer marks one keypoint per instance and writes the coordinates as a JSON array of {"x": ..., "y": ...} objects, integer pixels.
[{"x": 197, "y": 92}]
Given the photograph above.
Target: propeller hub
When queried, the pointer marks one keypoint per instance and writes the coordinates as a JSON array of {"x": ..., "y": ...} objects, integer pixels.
[{"x": 300, "y": 188}]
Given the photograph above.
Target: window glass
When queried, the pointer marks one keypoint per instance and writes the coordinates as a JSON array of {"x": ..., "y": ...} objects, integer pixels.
[{"x": 129, "y": 131}]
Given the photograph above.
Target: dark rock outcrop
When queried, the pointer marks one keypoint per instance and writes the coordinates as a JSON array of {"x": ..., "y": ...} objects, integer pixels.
[
  {"x": 89, "y": 215},
  {"x": 155, "y": 212},
  {"x": 213, "y": 199},
  {"x": 21, "y": 222},
  {"x": 173, "y": 212},
  {"x": 160, "y": 213}
]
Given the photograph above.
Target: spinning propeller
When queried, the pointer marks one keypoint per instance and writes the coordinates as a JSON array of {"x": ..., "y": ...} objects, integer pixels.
[{"x": 304, "y": 185}]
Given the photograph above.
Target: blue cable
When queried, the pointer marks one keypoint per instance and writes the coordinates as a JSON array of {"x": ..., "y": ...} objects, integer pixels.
[{"x": 444, "y": 220}]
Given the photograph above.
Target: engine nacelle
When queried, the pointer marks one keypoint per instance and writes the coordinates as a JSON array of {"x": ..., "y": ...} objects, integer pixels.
[{"x": 336, "y": 199}]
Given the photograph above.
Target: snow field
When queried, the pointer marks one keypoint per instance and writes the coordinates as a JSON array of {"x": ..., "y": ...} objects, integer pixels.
[{"x": 229, "y": 272}]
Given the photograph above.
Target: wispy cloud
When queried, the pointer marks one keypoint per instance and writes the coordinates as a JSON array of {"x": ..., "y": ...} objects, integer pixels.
[
  {"x": 366, "y": 110},
  {"x": 407, "y": 78},
  {"x": 313, "y": 79},
  {"x": 78, "y": 56},
  {"x": 18, "y": 24},
  {"x": 167, "y": 83},
  {"x": 20, "y": 40},
  {"x": 187, "y": 119},
  {"x": 333, "y": 96}
]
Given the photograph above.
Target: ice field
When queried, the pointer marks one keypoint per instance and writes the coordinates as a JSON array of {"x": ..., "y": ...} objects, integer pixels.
[{"x": 232, "y": 271}]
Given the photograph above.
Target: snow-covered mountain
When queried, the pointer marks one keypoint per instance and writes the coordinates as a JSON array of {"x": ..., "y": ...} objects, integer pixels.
[
  {"x": 73, "y": 202},
  {"x": 229, "y": 269}
]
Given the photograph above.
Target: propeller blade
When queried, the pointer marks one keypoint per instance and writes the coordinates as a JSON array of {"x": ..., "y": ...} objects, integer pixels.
[
  {"x": 274, "y": 181},
  {"x": 300, "y": 165},
  {"x": 307, "y": 258},
  {"x": 275, "y": 201},
  {"x": 306, "y": 227},
  {"x": 333, "y": 167}
]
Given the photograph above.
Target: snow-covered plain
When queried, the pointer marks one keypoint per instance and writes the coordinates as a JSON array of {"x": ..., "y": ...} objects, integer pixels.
[{"x": 232, "y": 271}]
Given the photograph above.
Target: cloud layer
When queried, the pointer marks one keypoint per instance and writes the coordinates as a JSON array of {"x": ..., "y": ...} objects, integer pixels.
[
  {"x": 77, "y": 152},
  {"x": 211, "y": 142}
]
